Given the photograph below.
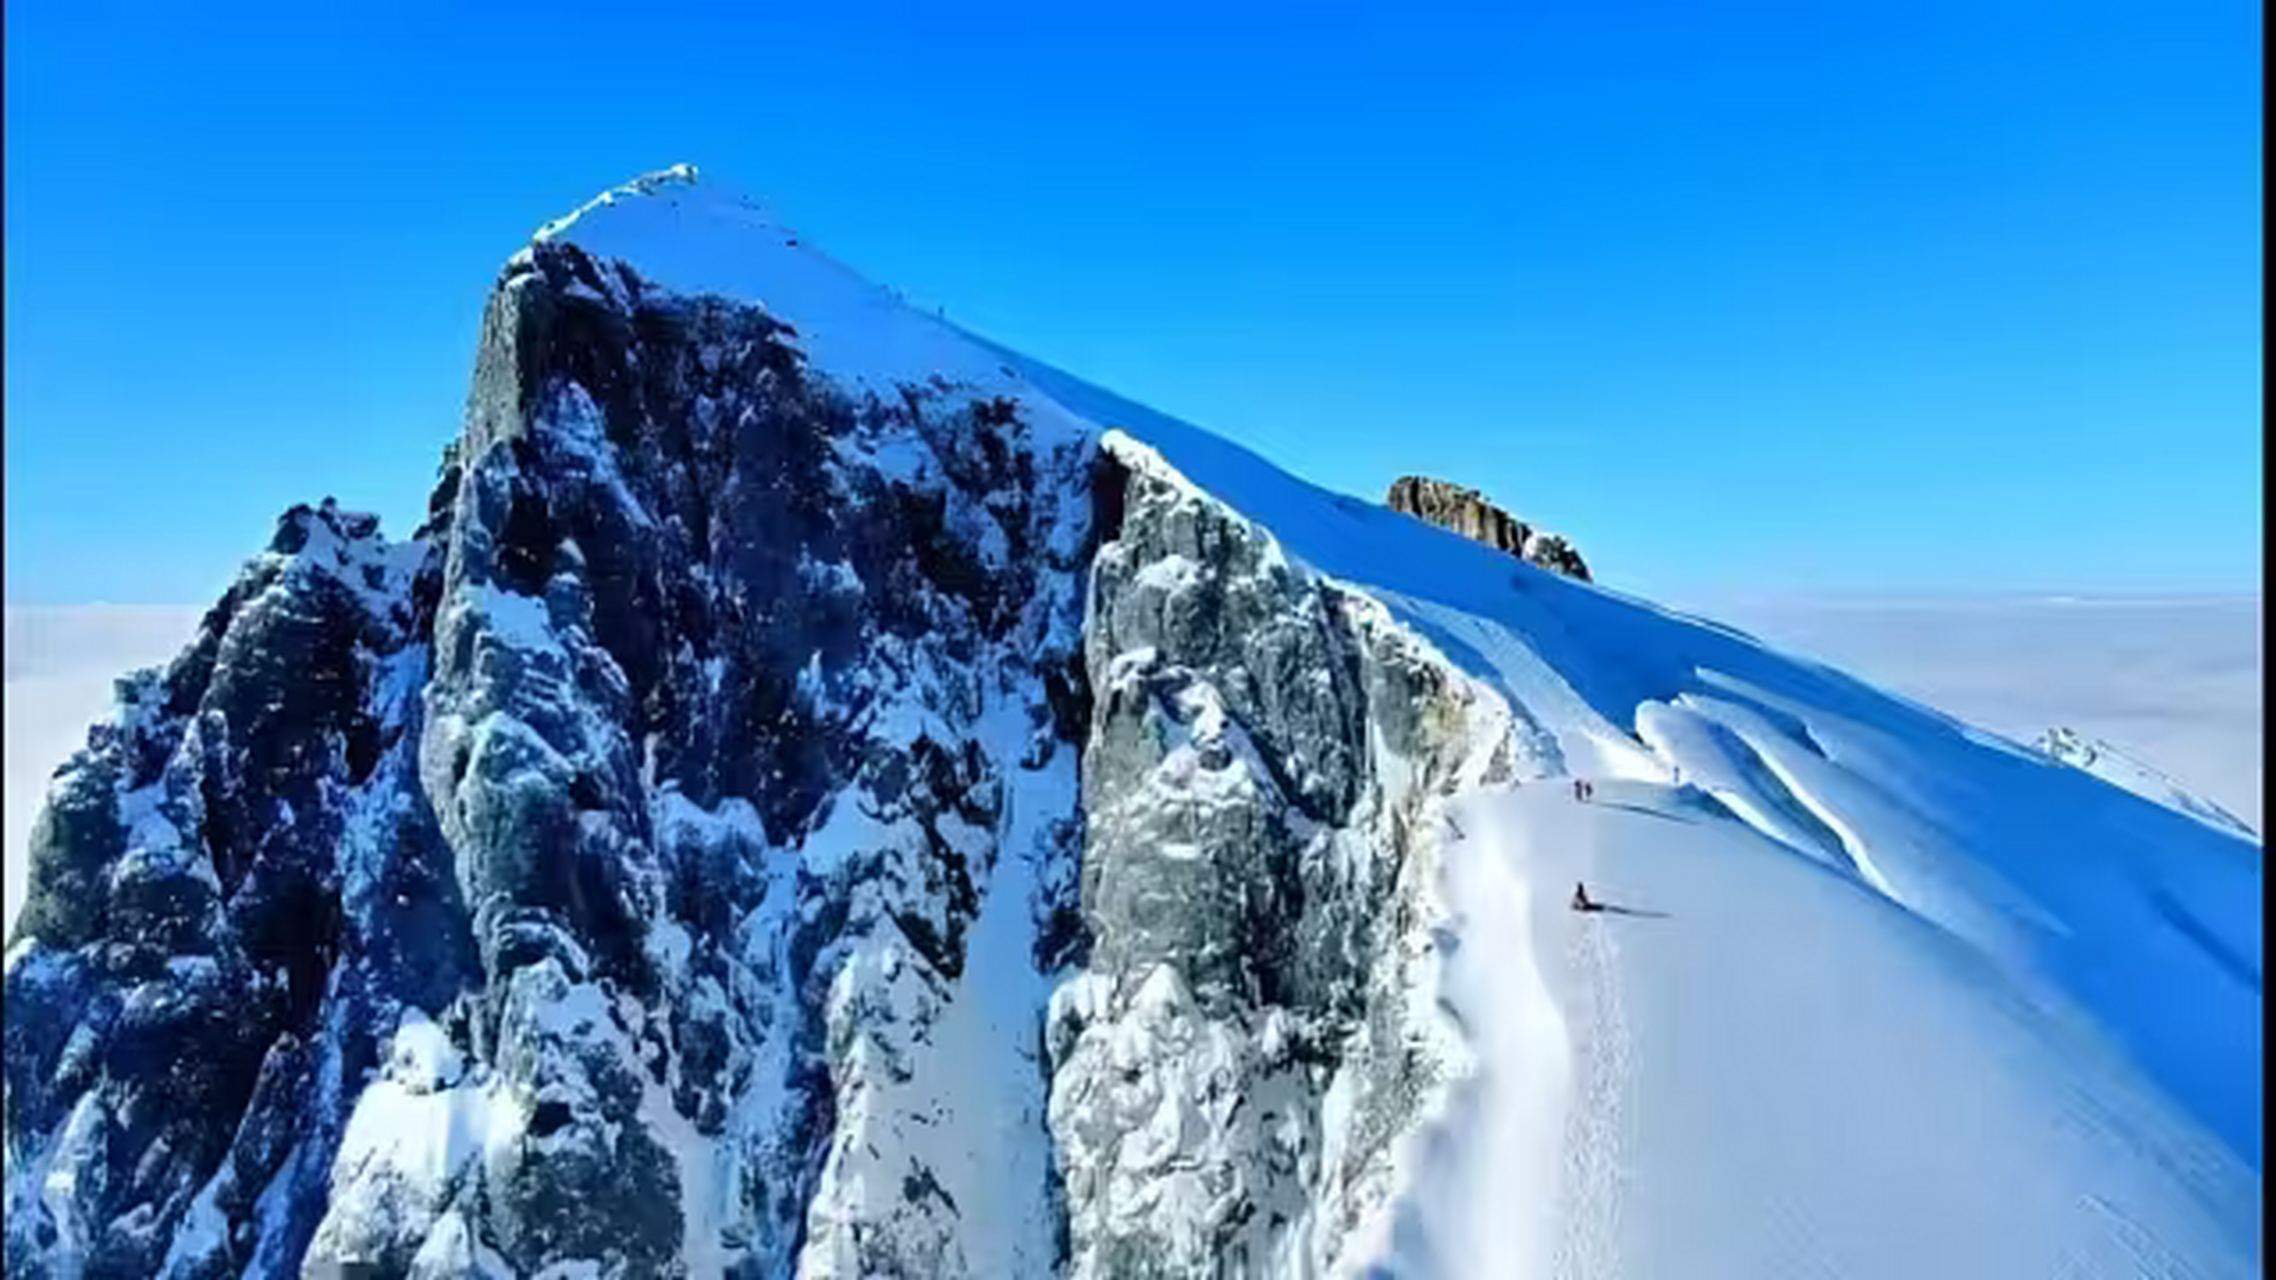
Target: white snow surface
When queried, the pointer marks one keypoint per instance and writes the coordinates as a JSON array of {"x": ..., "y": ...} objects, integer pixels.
[
  {"x": 1915, "y": 1000},
  {"x": 1765, "y": 1072},
  {"x": 1898, "y": 997},
  {"x": 692, "y": 239}
]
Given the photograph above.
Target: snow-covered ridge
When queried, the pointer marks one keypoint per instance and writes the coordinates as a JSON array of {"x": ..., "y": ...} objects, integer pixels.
[
  {"x": 697, "y": 239},
  {"x": 2118, "y": 767},
  {"x": 647, "y": 184}
]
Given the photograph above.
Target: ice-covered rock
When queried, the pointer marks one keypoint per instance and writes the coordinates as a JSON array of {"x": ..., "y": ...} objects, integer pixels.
[{"x": 600, "y": 877}]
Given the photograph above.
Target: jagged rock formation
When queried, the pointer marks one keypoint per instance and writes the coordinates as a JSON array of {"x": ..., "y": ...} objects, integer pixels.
[
  {"x": 1466, "y": 511},
  {"x": 1551, "y": 551},
  {"x": 174, "y": 1030},
  {"x": 664, "y": 862}
]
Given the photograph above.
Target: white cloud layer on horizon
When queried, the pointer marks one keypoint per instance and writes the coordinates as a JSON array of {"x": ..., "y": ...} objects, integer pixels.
[{"x": 2175, "y": 682}]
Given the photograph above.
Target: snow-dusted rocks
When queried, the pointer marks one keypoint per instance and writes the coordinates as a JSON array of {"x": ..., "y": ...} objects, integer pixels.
[
  {"x": 174, "y": 1037},
  {"x": 1266, "y": 755},
  {"x": 742, "y": 711},
  {"x": 1552, "y": 551},
  {"x": 824, "y": 795}
]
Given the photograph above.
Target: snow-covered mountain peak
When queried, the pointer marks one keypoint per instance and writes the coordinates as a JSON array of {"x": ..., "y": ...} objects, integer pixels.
[
  {"x": 677, "y": 182},
  {"x": 827, "y": 795},
  {"x": 700, "y": 239}
]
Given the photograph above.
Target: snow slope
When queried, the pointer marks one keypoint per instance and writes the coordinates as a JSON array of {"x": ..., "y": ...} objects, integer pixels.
[
  {"x": 1900, "y": 998},
  {"x": 1994, "y": 924},
  {"x": 1770, "y": 1074},
  {"x": 1876, "y": 993}
]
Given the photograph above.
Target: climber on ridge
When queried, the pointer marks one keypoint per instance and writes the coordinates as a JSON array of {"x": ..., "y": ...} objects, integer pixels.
[{"x": 1580, "y": 899}]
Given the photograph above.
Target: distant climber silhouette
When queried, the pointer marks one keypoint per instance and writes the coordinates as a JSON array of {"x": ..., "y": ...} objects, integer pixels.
[{"x": 1581, "y": 901}]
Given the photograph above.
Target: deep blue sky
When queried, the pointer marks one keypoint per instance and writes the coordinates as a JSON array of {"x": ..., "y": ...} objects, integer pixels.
[{"x": 1861, "y": 295}]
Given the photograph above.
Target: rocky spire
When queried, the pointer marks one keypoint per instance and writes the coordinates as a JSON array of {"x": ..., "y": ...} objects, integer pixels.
[{"x": 1467, "y": 512}]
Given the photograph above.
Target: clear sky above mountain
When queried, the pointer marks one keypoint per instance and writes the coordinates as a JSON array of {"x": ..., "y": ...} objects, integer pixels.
[{"x": 1865, "y": 295}]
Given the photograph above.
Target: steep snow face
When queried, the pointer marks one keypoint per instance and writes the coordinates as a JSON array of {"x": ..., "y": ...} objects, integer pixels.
[
  {"x": 825, "y": 795},
  {"x": 1746, "y": 1067},
  {"x": 698, "y": 240}
]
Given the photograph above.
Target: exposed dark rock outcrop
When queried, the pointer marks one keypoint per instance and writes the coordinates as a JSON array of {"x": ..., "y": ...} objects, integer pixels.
[{"x": 1466, "y": 511}]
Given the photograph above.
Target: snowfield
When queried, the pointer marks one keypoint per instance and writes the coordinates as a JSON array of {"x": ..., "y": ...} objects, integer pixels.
[{"x": 1908, "y": 999}]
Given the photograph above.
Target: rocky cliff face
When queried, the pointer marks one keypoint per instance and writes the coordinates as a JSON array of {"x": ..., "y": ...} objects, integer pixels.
[
  {"x": 1264, "y": 758},
  {"x": 1466, "y": 511},
  {"x": 758, "y": 825}
]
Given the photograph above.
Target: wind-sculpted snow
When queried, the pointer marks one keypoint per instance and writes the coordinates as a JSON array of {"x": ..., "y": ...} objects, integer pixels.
[
  {"x": 1746, "y": 1067},
  {"x": 2052, "y": 860},
  {"x": 824, "y": 795},
  {"x": 2172, "y": 681}
]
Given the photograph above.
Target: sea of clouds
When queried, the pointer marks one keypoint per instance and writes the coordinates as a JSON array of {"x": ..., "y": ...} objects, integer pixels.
[{"x": 2173, "y": 681}]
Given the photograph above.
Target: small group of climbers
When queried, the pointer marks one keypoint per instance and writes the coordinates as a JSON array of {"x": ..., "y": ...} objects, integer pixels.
[{"x": 1582, "y": 791}]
